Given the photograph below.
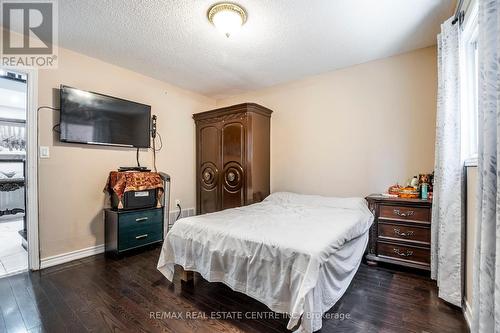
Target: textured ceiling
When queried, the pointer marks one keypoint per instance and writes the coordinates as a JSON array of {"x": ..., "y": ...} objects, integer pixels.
[{"x": 282, "y": 40}]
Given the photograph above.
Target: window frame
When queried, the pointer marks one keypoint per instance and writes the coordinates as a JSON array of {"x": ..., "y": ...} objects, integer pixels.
[{"x": 469, "y": 73}]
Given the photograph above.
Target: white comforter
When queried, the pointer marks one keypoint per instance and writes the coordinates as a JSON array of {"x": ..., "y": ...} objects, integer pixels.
[{"x": 295, "y": 253}]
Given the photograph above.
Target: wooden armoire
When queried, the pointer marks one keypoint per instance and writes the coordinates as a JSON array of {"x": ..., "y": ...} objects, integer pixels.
[{"x": 232, "y": 156}]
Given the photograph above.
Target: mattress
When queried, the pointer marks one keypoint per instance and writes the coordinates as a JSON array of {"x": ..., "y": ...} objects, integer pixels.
[{"x": 295, "y": 253}]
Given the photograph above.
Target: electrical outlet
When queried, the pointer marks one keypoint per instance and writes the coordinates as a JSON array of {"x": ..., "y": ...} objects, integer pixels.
[
  {"x": 44, "y": 152},
  {"x": 177, "y": 202}
]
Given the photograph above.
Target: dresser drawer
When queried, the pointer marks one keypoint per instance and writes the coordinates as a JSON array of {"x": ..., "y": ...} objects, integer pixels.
[
  {"x": 404, "y": 253},
  {"x": 139, "y": 220},
  {"x": 393, "y": 231},
  {"x": 138, "y": 237},
  {"x": 405, "y": 213},
  {"x": 401, "y": 232}
]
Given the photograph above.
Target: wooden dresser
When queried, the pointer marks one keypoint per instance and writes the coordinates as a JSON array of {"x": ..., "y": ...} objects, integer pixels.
[
  {"x": 232, "y": 156},
  {"x": 401, "y": 232}
]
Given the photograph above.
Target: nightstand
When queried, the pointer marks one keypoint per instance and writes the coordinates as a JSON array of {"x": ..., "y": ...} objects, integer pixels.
[
  {"x": 401, "y": 231},
  {"x": 126, "y": 230}
]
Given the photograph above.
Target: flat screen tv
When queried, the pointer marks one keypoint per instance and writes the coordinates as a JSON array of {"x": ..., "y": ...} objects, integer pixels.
[{"x": 92, "y": 118}]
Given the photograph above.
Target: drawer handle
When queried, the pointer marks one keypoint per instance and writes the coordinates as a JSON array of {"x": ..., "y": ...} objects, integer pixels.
[
  {"x": 403, "y": 214},
  {"x": 141, "y": 236},
  {"x": 141, "y": 219},
  {"x": 408, "y": 234},
  {"x": 407, "y": 253}
]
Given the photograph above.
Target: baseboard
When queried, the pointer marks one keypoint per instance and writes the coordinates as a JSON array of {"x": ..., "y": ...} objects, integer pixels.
[
  {"x": 19, "y": 271},
  {"x": 467, "y": 313},
  {"x": 70, "y": 256},
  {"x": 90, "y": 251}
]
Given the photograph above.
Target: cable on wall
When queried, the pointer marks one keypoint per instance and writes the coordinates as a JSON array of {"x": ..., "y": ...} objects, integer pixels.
[
  {"x": 57, "y": 127},
  {"x": 137, "y": 158},
  {"x": 156, "y": 150},
  {"x": 161, "y": 141},
  {"x": 180, "y": 212},
  {"x": 154, "y": 133},
  {"x": 154, "y": 155},
  {"x": 48, "y": 107}
]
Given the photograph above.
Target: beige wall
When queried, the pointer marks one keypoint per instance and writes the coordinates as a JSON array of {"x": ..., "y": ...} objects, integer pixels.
[
  {"x": 72, "y": 180},
  {"x": 349, "y": 132},
  {"x": 353, "y": 131}
]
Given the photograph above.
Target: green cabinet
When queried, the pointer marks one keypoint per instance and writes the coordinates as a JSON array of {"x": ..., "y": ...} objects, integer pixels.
[{"x": 126, "y": 230}]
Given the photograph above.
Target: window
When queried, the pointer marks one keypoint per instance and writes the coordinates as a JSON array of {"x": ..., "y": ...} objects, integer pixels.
[{"x": 469, "y": 91}]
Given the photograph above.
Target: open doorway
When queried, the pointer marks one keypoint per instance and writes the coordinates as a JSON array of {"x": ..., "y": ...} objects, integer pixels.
[{"x": 13, "y": 173}]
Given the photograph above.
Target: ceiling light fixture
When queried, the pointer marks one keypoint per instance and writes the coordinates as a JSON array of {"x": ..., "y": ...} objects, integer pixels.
[{"x": 227, "y": 17}]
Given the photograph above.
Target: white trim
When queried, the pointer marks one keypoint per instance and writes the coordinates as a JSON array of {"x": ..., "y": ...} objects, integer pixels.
[
  {"x": 467, "y": 313},
  {"x": 470, "y": 10},
  {"x": 70, "y": 256},
  {"x": 31, "y": 181},
  {"x": 471, "y": 162},
  {"x": 18, "y": 271},
  {"x": 468, "y": 84},
  {"x": 32, "y": 171}
]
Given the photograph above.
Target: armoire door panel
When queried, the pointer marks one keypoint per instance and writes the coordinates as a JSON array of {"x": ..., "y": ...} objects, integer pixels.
[
  {"x": 233, "y": 142},
  {"x": 233, "y": 177},
  {"x": 209, "y": 201},
  {"x": 209, "y": 169},
  {"x": 208, "y": 188},
  {"x": 209, "y": 144}
]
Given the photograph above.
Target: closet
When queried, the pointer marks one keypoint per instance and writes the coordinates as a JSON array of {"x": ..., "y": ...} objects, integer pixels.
[{"x": 232, "y": 156}]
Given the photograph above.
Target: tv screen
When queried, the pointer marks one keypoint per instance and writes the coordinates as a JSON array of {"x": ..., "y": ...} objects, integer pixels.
[{"x": 92, "y": 118}]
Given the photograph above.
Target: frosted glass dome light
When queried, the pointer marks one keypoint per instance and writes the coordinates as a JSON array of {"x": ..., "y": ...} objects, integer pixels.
[{"x": 227, "y": 17}]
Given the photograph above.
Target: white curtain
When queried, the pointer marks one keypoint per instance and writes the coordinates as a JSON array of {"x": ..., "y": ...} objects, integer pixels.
[
  {"x": 486, "y": 299},
  {"x": 448, "y": 209}
]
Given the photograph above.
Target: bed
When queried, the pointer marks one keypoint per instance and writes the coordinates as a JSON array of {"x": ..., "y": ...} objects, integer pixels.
[{"x": 295, "y": 253}]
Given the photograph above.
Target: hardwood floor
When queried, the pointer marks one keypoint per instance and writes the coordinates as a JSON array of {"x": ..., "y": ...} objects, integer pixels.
[{"x": 101, "y": 294}]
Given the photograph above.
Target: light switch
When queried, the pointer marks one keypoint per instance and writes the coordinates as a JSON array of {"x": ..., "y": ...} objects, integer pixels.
[{"x": 44, "y": 152}]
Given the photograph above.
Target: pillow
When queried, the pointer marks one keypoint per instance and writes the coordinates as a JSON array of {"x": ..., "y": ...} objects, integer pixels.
[{"x": 285, "y": 198}]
